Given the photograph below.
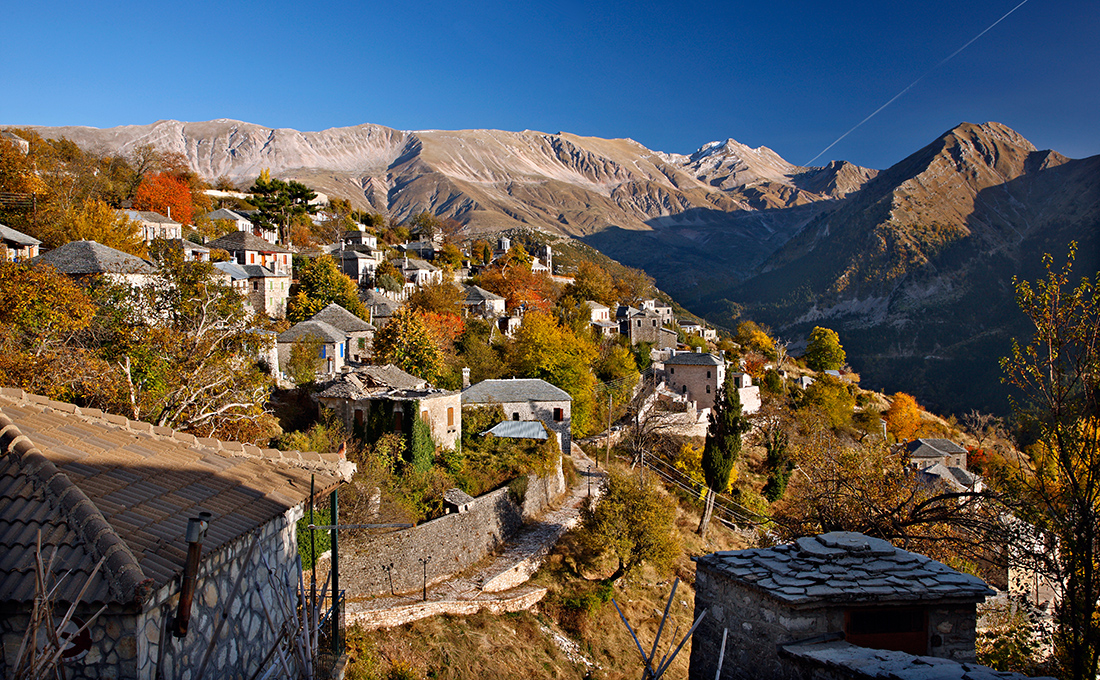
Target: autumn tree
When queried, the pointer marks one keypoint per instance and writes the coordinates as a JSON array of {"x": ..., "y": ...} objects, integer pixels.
[
  {"x": 481, "y": 251},
  {"x": 167, "y": 195},
  {"x": 592, "y": 283},
  {"x": 440, "y": 298},
  {"x": 632, "y": 523},
  {"x": 544, "y": 349},
  {"x": 96, "y": 221},
  {"x": 753, "y": 337},
  {"x": 903, "y": 417},
  {"x": 632, "y": 286},
  {"x": 843, "y": 485},
  {"x": 723, "y": 444},
  {"x": 321, "y": 283},
  {"x": 824, "y": 352},
  {"x": 1054, "y": 482},
  {"x": 407, "y": 343}
]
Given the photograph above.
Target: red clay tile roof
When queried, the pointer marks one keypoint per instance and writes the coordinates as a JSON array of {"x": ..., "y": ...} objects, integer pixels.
[{"x": 100, "y": 485}]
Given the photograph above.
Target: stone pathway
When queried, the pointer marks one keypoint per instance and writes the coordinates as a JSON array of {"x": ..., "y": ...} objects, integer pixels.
[{"x": 497, "y": 584}]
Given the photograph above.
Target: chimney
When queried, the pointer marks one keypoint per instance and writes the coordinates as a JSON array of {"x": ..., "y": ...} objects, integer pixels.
[
  {"x": 698, "y": 350},
  {"x": 196, "y": 532},
  {"x": 465, "y": 378}
]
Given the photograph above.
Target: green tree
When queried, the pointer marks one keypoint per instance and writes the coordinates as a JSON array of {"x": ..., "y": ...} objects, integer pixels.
[
  {"x": 723, "y": 444},
  {"x": 279, "y": 202},
  {"x": 320, "y": 283},
  {"x": 632, "y": 523},
  {"x": 305, "y": 360},
  {"x": 824, "y": 352},
  {"x": 1054, "y": 483},
  {"x": 406, "y": 343},
  {"x": 544, "y": 349}
]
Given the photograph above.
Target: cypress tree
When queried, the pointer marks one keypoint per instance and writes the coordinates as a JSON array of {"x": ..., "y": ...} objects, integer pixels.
[{"x": 723, "y": 445}]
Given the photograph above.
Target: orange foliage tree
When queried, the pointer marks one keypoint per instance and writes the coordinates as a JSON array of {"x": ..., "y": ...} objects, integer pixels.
[
  {"x": 903, "y": 417},
  {"x": 167, "y": 195}
]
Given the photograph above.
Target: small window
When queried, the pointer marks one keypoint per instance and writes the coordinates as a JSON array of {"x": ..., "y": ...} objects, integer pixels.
[
  {"x": 358, "y": 416},
  {"x": 672, "y": 371},
  {"x": 515, "y": 416},
  {"x": 685, "y": 389},
  {"x": 323, "y": 355},
  {"x": 558, "y": 415},
  {"x": 397, "y": 424},
  {"x": 639, "y": 323},
  {"x": 708, "y": 374},
  {"x": 708, "y": 389},
  {"x": 450, "y": 416}
]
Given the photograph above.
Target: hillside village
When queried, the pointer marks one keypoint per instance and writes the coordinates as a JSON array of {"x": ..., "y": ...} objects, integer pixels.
[{"x": 189, "y": 406}]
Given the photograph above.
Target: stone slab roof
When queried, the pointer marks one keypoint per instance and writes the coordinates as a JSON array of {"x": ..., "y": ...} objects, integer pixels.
[
  {"x": 845, "y": 567},
  {"x": 381, "y": 305},
  {"x": 98, "y": 485},
  {"x": 593, "y": 305},
  {"x": 226, "y": 214},
  {"x": 88, "y": 257},
  {"x": 694, "y": 359},
  {"x": 149, "y": 216},
  {"x": 236, "y": 241},
  {"x": 318, "y": 329},
  {"x": 378, "y": 381},
  {"x": 412, "y": 263},
  {"x": 847, "y": 660},
  {"x": 457, "y": 496},
  {"x": 518, "y": 429},
  {"x": 512, "y": 390},
  {"x": 340, "y": 318},
  {"x": 12, "y": 236},
  {"x": 933, "y": 448},
  {"x": 476, "y": 295}
]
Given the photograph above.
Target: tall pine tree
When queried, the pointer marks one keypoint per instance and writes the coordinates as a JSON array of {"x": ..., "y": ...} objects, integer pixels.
[{"x": 723, "y": 444}]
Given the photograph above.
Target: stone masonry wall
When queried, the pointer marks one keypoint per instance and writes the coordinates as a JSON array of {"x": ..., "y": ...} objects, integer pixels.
[
  {"x": 756, "y": 623},
  {"x": 113, "y": 650},
  {"x": 452, "y": 543},
  {"x": 246, "y": 636}
]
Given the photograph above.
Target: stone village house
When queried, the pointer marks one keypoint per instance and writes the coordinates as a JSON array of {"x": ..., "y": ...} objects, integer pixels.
[
  {"x": 376, "y": 400},
  {"x": 263, "y": 290},
  {"x": 248, "y": 249},
  {"x": 15, "y": 246},
  {"x": 82, "y": 259},
  {"x": 837, "y": 606},
  {"x": 527, "y": 399},
  {"x": 96, "y": 486},
  {"x": 698, "y": 375},
  {"x": 154, "y": 225},
  {"x": 359, "y": 333},
  {"x": 332, "y": 345}
]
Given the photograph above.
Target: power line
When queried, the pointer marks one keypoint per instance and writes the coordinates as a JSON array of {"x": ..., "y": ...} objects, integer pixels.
[{"x": 910, "y": 85}]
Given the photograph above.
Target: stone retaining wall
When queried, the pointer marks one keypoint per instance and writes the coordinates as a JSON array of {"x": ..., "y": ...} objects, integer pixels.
[
  {"x": 397, "y": 616},
  {"x": 451, "y": 543}
]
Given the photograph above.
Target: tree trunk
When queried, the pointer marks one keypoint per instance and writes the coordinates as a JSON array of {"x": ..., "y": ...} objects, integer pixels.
[{"x": 704, "y": 523}]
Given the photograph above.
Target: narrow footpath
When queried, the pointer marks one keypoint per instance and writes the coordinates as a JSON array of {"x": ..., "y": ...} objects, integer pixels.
[{"x": 497, "y": 584}]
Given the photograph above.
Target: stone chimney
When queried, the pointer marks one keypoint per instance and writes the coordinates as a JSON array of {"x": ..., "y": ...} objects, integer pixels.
[{"x": 465, "y": 378}]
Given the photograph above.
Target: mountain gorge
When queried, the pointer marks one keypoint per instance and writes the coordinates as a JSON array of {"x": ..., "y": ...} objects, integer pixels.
[{"x": 913, "y": 265}]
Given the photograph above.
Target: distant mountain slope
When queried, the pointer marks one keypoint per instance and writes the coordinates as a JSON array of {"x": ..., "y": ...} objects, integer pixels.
[
  {"x": 915, "y": 268},
  {"x": 493, "y": 179}
]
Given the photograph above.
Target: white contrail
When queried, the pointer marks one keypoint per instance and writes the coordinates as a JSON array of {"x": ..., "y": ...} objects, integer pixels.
[{"x": 910, "y": 85}]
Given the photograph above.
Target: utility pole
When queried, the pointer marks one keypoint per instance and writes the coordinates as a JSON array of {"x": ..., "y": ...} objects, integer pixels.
[{"x": 607, "y": 455}]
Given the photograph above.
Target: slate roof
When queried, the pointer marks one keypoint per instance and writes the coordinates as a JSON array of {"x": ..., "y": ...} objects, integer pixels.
[
  {"x": 694, "y": 359},
  {"x": 457, "y": 497},
  {"x": 413, "y": 263},
  {"x": 318, "y": 329},
  {"x": 149, "y": 216},
  {"x": 244, "y": 240},
  {"x": 845, "y": 567},
  {"x": 372, "y": 382},
  {"x": 517, "y": 429},
  {"x": 226, "y": 214},
  {"x": 862, "y": 662},
  {"x": 512, "y": 390},
  {"x": 933, "y": 448},
  {"x": 89, "y": 257},
  {"x": 100, "y": 485},
  {"x": 12, "y": 236},
  {"x": 593, "y": 305},
  {"x": 379, "y": 303},
  {"x": 956, "y": 478},
  {"x": 476, "y": 295},
  {"x": 340, "y": 318}
]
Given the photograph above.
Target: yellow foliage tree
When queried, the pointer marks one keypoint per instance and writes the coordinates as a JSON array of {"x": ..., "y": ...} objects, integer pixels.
[
  {"x": 903, "y": 417},
  {"x": 96, "y": 221}
]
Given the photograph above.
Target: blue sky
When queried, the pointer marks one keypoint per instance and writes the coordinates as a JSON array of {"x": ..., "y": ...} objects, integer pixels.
[{"x": 790, "y": 75}]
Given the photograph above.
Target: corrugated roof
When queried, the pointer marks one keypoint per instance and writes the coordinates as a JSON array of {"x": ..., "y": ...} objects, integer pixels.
[
  {"x": 89, "y": 257},
  {"x": 517, "y": 429},
  {"x": 100, "y": 485},
  {"x": 318, "y": 329},
  {"x": 243, "y": 240},
  {"x": 340, "y": 318},
  {"x": 13, "y": 236},
  {"x": 513, "y": 390},
  {"x": 844, "y": 567}
]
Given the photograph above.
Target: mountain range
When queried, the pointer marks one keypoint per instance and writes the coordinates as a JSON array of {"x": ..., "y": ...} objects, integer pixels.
[{"x": 913, "y": 264}]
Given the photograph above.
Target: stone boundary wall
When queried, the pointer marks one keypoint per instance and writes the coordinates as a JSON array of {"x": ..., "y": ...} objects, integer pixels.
[
  {"x": 397, "y": 616},
  {"x": 451, "y": 543}
]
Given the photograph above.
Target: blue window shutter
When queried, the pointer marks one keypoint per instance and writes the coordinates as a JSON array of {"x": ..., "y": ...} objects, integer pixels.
[{"x": 322, "y": 351}]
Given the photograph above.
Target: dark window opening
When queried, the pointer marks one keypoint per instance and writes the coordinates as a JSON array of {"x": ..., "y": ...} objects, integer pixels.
[
  {"x": 900, "y": 630},
  {"x": 397, "y": 425},
  {"x": 558, "y": 415},
  {"x": 515, "y": 416}
]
